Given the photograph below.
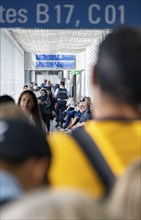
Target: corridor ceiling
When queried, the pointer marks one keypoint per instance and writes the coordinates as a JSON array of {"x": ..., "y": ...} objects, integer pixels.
[{"x": 55, "y": 41}]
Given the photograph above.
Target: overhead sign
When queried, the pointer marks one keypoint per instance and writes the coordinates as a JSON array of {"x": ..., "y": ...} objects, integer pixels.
[
  {"x": 55, "y": 61},
  {"x": 60, "y": 65},
  {"x": 75, "y": 72},
  {"x": 55, "y": 57},
  {"x": 69, "y": 13}
]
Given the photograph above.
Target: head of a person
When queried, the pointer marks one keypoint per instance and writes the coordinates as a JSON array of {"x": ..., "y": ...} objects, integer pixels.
[
  {"x": 6, "y": 99},
  {"x": 25, "y": 153},
  {"x": 35, "y": 86},
  {"x": 82, "y": 106},
  {"x": 125, "y": 199},
  {"x": 82, "y": 98},
  {"x": 70, "y": 101},
  {"x": 62, "y": 83},
  {"x": 28, "y": 101},
  {"x": 54, "y": 204},
  {"x": 48, "y": 82},
  {"x": 48, "y": 92},
  {"x": 117, "y": 73},
  {"x": 88, "y": 100},
  {"x": 43, "y": 92},
  {"x": 25, "y": 87}
]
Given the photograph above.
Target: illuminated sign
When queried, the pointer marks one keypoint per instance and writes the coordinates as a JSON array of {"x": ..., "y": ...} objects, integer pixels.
[
  {"x": 69, "y": 13},
  {"x": 55, "y": 57},
  {"x": 75, "y": 72},
  {"x": 55, "y": 61},
  {"x": 60, "y": 65}
]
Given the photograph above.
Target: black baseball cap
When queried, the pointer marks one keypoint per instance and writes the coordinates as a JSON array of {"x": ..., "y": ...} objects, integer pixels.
[{"x": 20, "y": 141}]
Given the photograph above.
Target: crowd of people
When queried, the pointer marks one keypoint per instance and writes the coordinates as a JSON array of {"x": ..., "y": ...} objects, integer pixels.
[
  {"x": 94, "y": 172},
  {"x": 58, "y": 105}
]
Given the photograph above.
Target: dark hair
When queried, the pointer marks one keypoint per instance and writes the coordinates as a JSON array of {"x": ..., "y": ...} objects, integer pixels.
[
  {"x": 62, "y": 83},
  {"x": 6, "y": 99},
  {"x": 119, "y": 65},
  {"x": 35, "y": 111},
  {"x": 25, "y": 86},
  {"x": 43, "y": 90}
]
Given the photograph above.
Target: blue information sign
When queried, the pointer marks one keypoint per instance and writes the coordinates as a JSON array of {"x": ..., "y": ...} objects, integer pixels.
[
  {"x": 55, "y": 57},
  {"x": 55, "y": 61},
  {"x": 68, "y": 14},
  {"x": 59, "y": 65}
]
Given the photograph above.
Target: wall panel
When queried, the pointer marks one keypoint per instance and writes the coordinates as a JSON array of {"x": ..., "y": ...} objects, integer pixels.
[{"x": 11, "y": 65}]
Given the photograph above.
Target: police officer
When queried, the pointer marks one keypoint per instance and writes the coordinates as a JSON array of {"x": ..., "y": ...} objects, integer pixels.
[{"x": 61, "y": 95}]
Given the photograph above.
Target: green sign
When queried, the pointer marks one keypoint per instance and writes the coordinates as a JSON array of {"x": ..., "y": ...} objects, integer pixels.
[{"x": 75, "y": 72}]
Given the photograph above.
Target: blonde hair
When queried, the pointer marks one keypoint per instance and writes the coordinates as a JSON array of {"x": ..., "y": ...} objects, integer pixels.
[
  {"x": 53, "y": 205},
  {"x": 126, "y": 197},
  {"x": 48, "y": 81}
]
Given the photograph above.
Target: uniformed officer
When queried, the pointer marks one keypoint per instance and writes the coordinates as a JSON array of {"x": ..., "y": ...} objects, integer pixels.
[{"x": 61, "y": 94}]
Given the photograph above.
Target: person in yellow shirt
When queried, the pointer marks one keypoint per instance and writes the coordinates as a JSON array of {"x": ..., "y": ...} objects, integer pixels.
[{"x": 92, "y": 157}]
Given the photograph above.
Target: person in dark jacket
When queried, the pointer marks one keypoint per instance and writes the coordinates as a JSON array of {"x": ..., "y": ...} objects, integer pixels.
[
  {"x": 61, "y": 94},
  {"x": 46, "y": 107}
]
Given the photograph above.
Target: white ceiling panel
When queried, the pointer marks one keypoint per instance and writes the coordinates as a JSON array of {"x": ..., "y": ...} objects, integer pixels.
[{"x": 55, "y": 41}]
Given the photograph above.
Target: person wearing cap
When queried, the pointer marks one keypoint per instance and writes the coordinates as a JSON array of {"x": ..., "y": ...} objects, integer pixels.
[
  {"x": 115, "y": 133},
  {"x": 24, "y": 158}
]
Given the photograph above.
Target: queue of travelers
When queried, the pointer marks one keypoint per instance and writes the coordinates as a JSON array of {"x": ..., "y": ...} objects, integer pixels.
[{"x": 97, "y": 167}]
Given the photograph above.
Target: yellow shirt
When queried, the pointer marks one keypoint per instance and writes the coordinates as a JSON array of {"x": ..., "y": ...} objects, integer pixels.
[{"x": 118, "y": 141}]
